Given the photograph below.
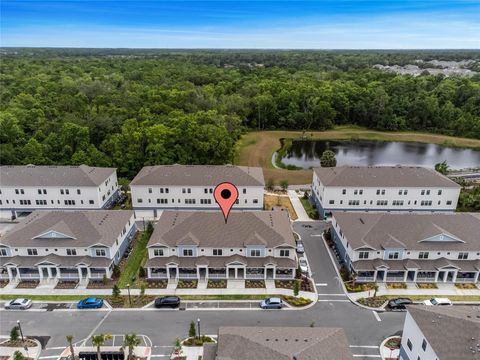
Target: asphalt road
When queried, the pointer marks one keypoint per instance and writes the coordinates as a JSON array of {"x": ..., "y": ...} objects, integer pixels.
[{"x": 365, "y": 329}]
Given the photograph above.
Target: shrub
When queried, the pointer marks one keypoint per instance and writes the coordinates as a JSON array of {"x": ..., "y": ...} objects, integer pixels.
[
  {"x": 296, "y": 288},
  {"x": 149, "y": 229},
  {"x": 297, "y": 301},
  {"x": 115, "y": 291},
  {"x": 284, "y": 185},
  {"x": 141, "y": 272},
  {"x": 142, "y": 288},
  {"x": 270, "y": 184},
  {"x": 104, "y": 279},
  {"x": 192, "y": 331},
  {"x": 17, "y": 355},
  {"x": 14, "y": 334},
  {"x": 116, "y": 271}
]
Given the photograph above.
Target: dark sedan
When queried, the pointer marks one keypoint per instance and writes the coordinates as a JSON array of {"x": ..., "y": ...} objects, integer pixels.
[
  {"x": 167, "y": 301},
  {"x": 399, "y": 304}
]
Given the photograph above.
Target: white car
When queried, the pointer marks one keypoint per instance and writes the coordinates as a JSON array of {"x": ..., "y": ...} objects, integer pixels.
[
  {"x": 300, "y": 249},
  {"x": 437, "y": 302},
  {"x": 303, "y": 265},
  {"x": 18, "y": 304}
]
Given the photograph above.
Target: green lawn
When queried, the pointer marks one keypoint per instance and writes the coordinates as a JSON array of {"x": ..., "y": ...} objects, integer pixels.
[
  {"x": 427, "y": 297},
  {"x": 136, "y": 259},
  {"x": 45, "y": 297},
  {"x": 311, "y": 211}
]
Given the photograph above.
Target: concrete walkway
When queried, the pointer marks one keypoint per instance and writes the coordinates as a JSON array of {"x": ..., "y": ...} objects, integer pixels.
[
  {"x": 297, "y": 205},
  {"x": 445, "y": 292}
]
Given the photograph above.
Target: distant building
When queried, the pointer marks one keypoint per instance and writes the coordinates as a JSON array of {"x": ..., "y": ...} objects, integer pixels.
[
  {"x": 201, "y": 246},
  {"x": 278, "y": 343},
  {"x": 441, "y": 333},
  {"x": 190, "y": 187},
  {"x": 409, "y": 247},
  {"x": 66, "y": 245},
  {"x": 27, "y": 188},
  {"x": 382, "y": 188}
]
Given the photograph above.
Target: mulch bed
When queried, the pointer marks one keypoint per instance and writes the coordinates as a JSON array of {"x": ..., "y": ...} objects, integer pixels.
[
  {"x": 18, "y": 343},
  {"x": 66, "y": 285},
  {"x": 157, "y": 284},
  {"x": 427, "y": 286},
  {"x": 187, "y": 284},
  {"x": 100, "y": 284},
  {"x": 396, "y": 285},
  {"x": 250, "y": 284},
  {"x": 28, "y": 284},
  {"x": 3, "y": 283},
  {"x": 123, "y": 301},
  {"x": 306, "y": 284},
  {"x": 466, "y": 286},
  {"x": 284, "y": 284},
  {"x": 217, "y": 284},
  {"x": 373, "y": 302}
]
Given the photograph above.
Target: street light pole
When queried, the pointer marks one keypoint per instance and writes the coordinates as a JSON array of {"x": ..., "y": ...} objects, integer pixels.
[
  {"x": 129, "y": 298},
  {"x": 198, "y": 328},
  {"x": 21, "y": 332}
]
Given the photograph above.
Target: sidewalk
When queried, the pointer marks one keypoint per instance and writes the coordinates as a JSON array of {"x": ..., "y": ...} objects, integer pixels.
[
  {"x": 453, "y": 291},
  {"x": 297, "y": 205}
]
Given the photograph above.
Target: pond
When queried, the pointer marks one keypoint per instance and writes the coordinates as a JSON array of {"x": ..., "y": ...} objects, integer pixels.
[{"x": 306, "y": 154}]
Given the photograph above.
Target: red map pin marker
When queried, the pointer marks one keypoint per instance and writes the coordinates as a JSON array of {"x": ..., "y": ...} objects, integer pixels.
[{"x": 225, "y": 195}]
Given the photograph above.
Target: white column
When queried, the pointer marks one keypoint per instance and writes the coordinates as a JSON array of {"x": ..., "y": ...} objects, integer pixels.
[
  {"x": 107, "y": 272},
  {"x": 58, "y": 273},
  {"x": 436, "y": 276},
  {"x": 206, "y": 273},
  {"x": 89, "y": 274},
  {"x": 40, "y": 272},
  {"x": 198, "y": 273},
  {"x": 10, "y": 275},
  {"x": 415, "y": 276},
  {"x": 149, "y": 273},
  {"x": 455, "y": 276},
  {"x": 265, "y": 273},
  {"x": 375, "y": 275},
  {"x": 49, "y": 271},
  {"x": 236, "y": 272},
  {"x": 405, "y": 276},
  {"x": 79, "y": 273},
  {"x": 477, "y": 277}
]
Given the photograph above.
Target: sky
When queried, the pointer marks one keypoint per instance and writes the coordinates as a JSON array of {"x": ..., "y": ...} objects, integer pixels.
[{"x": 320, "y": 24}]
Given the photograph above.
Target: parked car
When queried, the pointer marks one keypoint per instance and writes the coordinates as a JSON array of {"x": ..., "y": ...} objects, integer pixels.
[
  {"x": 300, "y": 248},
  {"x": 90, "y": 303},
  {"x": 302, "y": 262},
  {"x": 19, "y": 304},
  {"x": 399, "y": 304},
  {"x": 167, "y": 301},
  {"x": 307, "y": 226},
  {"x": 272, "y": 303},
  {"x": 437, "y": 302}
]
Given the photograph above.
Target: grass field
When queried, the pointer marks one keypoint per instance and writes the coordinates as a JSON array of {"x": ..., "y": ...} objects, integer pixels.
[
  {"x": 257, "y": 148},
  {"x": 136, "y": 259},
  {"x": 270, "y": 201}
]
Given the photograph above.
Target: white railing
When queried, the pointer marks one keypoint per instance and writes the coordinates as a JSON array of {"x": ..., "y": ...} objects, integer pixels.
[
  {"x": 283, "y": 276},
  {"x": 4, "y": 276},
  {"x": 217, "y": 276},
  {"x": 158, "y": 276},
  {"x": 96, "y": 275},
  {"x": 68, "y": 276},
  {"x": 255, "y": 276},
  {"x": 395, "y": 278},
  {"x": 425, "y": 279},
  {"x": 365, "y": 279},
  {"x": 187, "y": 276},
  {"x": 29, "y": 276},
  {"x": 465, "y": 280}
]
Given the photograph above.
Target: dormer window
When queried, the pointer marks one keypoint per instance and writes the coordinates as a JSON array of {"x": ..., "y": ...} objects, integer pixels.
[
  {"x": 100, "y": 252},
  {"x": 158, "y": 252},
  {"x": 3, "y": 252},
  {"x": 71, "y": 252},
  {"x": 187, "y": 252},
  {"x": 462, "y": 255},
  {"x": 254, "y": 252},
  {"x": 284, "y": 253},
  {"x": 32, "y": 252}
]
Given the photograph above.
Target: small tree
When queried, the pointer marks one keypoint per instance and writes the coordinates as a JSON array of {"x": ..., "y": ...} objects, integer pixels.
[
  {"x": 98, "y": 341},
  {"x": 142, "y": 288},
  {"x": 141, "y": 272},
  {"x": 284, "y": 185},
  {"x": 178, "y": 347},
  {"x": 17, "y": 355},
  {"x": 104, "y": 279},
  {"x": 305, "y": 195},
  {"x": 298, "y": 272},
  {"x": 14, "y": 334},
  {"x": 296, "y": 287},
  {"x": 116, "y": 271},
  {"x": 328, "y": 159},
  {"x": 270, "y": 185},
  {"x": 115, "y": 291},
  {"x": 442, "y": 167},
  {"x": 131, "y": 341},
  {"x": 149, "y": 228},
  {"x": 192, "y": 332},
  {"x": 70, "y": 344}
]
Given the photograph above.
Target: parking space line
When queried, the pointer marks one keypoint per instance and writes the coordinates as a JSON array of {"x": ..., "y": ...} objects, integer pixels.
[
  {"x": 332, "y": 300},
  {"x": 366, "y": 356},
  {"x": 376, "y": 316},
  {"x": 322, "y": 284},
  {"x": 364, "y": 346},
  {"x": 50, "y": 357},
  {"x": 331, "y": 295}
]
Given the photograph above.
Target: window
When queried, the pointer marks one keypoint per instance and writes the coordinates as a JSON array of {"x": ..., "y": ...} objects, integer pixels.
[
  {"x": 255, "y": 201},
  {"x": 32, "y": 252},
  {"x": 400, "y": 192},
  {"x": 158, "y": 252},
  {"x": 378, "y": 192},
  {"x": 62, "y": 192},
  {"x": 363, "y": 255},
  {"x": 22, "y": 192},
  {"x": 100, "y": 252},
  {"x": 449, "y": 202},
  {"x": 16, "y": 191},
  {"x": 140, "y": 201},
  {"x": 69, "y": 202},
  {"x": 187, "y": 252},
  {"x": 409, "y": 344},
  {"x": 190, "y": 201},
  {"x": 462, "y": 255},
  {"x": 344, "y": 191},
  {"x": 78, "y": 191},
  {"x": 284, "y": 253},
  {"x": 254, "y": 252},
  {"x": 3, "y": 252},
  {"x": 183, "y": 190},
  {"x": 67, "y": 192},
  {"x": 161, "y": 190},
  {"x": 428, "y": 192},
  {"x": 382, "y": 202},
  {"x": 71, "y": 252},
  {"x": 360, "y": 192},
  {"x": 217, "y": 252},
  {"x": 393, "y": 255},
  {"x": 423, "y": 192},
  {"x": 439, "y": 192},
  {"x": 149, "y": 190},
  {"x": 423, "y": 255},
  {"x": 424, "y": 344},
  {"x": 355, "y": 192},
  {"x": 162, "y": 201},
  {"x": 331, "y": 202},
  {"x": 166, "y": 190},
  {"x": 91, "y": 202},
  {"x": 205, "y": 191},
  {"x": 244, "y": 191},
  {"x": 39, "y": 191},
  {"x": 189, "y": 190}
]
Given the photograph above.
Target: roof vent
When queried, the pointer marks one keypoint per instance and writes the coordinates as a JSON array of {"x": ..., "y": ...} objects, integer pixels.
[{"x": 361, "y": 220}]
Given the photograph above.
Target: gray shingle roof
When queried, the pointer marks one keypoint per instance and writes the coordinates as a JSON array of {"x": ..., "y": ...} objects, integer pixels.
[
  {"x": 383, "y": 230},
  {"x": 282, "y": 343},
  {"x": 62, "y": 261},
  {"x": 423, "y": 265},
  {"x": 220, "y": 261},
  {"x": 450, "y": 331},
  {"x": 86, "y": 227},
  {"x": 31, "y": 175},
  {"x": 208, "y": 229},
  {"x": 199, "y": 175},
  {"x": 388, "y": 176}
]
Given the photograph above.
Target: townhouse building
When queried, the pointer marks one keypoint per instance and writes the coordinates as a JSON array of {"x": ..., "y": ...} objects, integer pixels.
[
  {"x": 30, "y": 187},
  {"x": 66, "y": 245},
  {"x": 441, "y": 333},
  {"x": 201, "y": 246},
  {"x": 383, "y": 247},
  {"x": 278, "y": 343},
  {"x": 190, "y": 187},
  {"x": 382, "y": 188}
]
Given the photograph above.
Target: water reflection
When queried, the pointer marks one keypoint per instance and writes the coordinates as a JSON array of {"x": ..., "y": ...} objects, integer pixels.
[{"x": 306, "y": 154}]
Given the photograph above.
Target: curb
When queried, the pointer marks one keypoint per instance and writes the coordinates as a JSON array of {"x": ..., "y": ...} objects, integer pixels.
[{"x": 383, "y": 344}]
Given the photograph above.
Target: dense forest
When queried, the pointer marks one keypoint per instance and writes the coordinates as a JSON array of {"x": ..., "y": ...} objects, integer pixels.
[{"x": 129, "y": 108}]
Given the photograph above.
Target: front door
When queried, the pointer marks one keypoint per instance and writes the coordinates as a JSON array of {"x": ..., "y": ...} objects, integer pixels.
[
  {"x": 203, "y": 273},
  {"x": 240, "y": 273}
]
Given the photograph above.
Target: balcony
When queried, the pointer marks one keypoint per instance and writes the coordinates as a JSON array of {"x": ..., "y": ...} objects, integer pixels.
[
  {"x": 158, "y": 275},
  {"x": 217, "y": 276},
  {"x": 68, "y": 275},
  {"x": 365, "y": 279}
]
